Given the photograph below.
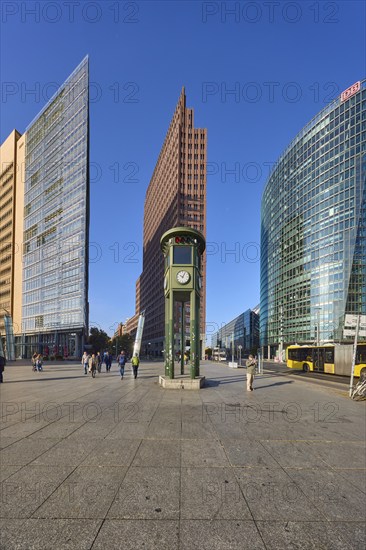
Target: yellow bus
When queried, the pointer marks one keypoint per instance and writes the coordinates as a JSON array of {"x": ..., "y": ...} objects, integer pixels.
[{"x": 329, "y": 358}]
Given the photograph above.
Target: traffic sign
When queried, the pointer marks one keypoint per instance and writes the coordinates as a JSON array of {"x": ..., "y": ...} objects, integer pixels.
[
  {"x": 350, "y": 323},
  {"x": 351, "y": 320}
]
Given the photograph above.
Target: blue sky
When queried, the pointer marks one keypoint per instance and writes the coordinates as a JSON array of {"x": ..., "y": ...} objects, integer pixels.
[{"x": 255, "y": 74}]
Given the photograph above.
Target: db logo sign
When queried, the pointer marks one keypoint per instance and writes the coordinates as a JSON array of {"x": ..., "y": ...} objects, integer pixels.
[{"x": 351, "y": 91}]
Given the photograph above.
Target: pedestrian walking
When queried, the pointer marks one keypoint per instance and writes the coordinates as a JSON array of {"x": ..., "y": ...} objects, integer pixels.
[
  {"x": 121, "y": 359},
  {"x": 2, "y": 367},
  {"x": 135, "y": 364},
  {"x": 110, "y": 359},
  {"x": 93, "y": 365},
  {"x": 39, "y": 363},
  {"x": 34, "y": 361},
  {"x": 251, "y": 364},
  {"x": 106, "y": 360},
  {"x": 85, "y": 362},
  {"x": 99, "y": 362}
]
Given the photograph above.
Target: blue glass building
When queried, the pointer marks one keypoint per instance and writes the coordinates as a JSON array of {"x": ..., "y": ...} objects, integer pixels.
[
  {"x": 242, "y": 331},
  {"x": 313, "y": 228}
]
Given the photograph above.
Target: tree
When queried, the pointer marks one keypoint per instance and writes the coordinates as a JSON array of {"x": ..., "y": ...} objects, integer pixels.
[
  {"x": 98, "y": 339},
  {"x": 124, "y": 342}
]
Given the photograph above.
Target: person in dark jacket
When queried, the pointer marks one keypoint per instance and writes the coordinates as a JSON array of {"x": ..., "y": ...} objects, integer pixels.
[
  {"x": 93, "y": 363},
  {"x": 99, "y": 362},
  {"x": 2, "y": 367},
  {"x": 106, "y": 359},
  {"x": 121, "y": 359}
]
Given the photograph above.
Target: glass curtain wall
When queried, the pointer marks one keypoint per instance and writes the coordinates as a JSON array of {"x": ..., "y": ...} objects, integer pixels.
[
  {"x": 56, "y": 221},
  {"x": 313, "y": 229},
  {"x": 242, "y": 331}
]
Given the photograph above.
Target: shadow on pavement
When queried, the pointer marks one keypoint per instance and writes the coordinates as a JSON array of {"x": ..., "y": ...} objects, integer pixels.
[
  {"x": 47, "y": 379},
  {"x": 209, "y": 382},
  {"x": 275, "y": 384}
]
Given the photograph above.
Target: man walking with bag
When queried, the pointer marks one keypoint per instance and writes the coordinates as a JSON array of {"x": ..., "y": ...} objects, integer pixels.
[
  {"x": 121, "y": 362},
  {"x": 135, "y": 364}
]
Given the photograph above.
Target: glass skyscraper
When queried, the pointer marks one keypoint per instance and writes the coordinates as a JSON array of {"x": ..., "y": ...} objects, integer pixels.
[
  {"x": 313, "y": 228},
  {"x": 56, "y": 222}
]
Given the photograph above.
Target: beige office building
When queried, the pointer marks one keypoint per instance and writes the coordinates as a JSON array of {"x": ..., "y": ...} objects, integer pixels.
[{"x": 11, "y": 230}]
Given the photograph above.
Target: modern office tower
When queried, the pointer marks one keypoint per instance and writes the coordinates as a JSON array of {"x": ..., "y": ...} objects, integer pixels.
[
  {"x": 56, "y": 223},
  {"x": 176, "y": 196},
  {"x": 313, "y": 234},
  {"x": 11, "y": 232},
  {"x": 238, "y": 337}
]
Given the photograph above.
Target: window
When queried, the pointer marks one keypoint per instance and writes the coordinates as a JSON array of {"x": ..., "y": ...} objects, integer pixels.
[{"x": 182, "y": 255}]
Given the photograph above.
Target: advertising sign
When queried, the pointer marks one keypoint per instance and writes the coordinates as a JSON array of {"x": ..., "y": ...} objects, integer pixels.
[
  {"x": 350, "y": 323},
  {"x": 351, "y": 91}
]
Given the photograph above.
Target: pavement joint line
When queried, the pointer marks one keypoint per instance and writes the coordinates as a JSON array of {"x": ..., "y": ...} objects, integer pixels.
[
  {"x": 297, "y": 484},
  {"x": 49, "y": 496},
  {"x": 180, "y": 469},
  {"x": 285, "y": 472},
  {"x": 79, "y": 407},
  {"x": 155, "y": 413},
  {"x": 237, "y": 481},
  {"x": 83, "y": 396},
  {"x": 124, "y": 477}
]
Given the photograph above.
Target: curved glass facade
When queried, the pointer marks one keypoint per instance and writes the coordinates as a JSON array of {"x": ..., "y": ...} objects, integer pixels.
[{"x": 313, "y": 228}]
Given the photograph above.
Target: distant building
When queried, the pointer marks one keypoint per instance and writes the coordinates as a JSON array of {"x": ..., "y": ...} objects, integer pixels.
[
  {"x": 44, "y": 222},
  {"x": 121, "y": 330},
  {"x": 176, "y": 196},
  {"x": 313, "y": 229},
  {"x": 12, "y": 153},
  {"x": 242, "y": 331}
]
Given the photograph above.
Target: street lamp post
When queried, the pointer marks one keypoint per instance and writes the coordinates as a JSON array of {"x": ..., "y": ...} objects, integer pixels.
[
  {"x": 318, "y": 325},
  {"x": 240, "y": 348},
  {"x": 281, "y": 334}
]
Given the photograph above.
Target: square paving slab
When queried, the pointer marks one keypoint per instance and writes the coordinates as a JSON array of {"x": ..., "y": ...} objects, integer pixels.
[{"x": 126, "y": 464}]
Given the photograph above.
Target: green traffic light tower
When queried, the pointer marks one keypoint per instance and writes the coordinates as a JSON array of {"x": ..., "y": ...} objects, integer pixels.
[{"x": 182, "y": 248}]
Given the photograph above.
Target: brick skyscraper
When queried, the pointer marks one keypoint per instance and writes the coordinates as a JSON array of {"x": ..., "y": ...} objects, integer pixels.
[{"x": 176, "y": 196}]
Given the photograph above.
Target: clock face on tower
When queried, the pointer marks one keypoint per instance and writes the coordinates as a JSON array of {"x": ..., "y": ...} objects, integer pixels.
[{"x": 183, "y": 277}]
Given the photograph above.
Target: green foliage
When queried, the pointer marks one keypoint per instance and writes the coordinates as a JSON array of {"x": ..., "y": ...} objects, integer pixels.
[
  {"x": 98, "y": 339},
  {"x": 124, "y": 342}
]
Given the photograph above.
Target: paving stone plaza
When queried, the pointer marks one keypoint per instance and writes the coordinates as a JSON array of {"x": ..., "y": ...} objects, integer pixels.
[{"x": 108, "y": 463}]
